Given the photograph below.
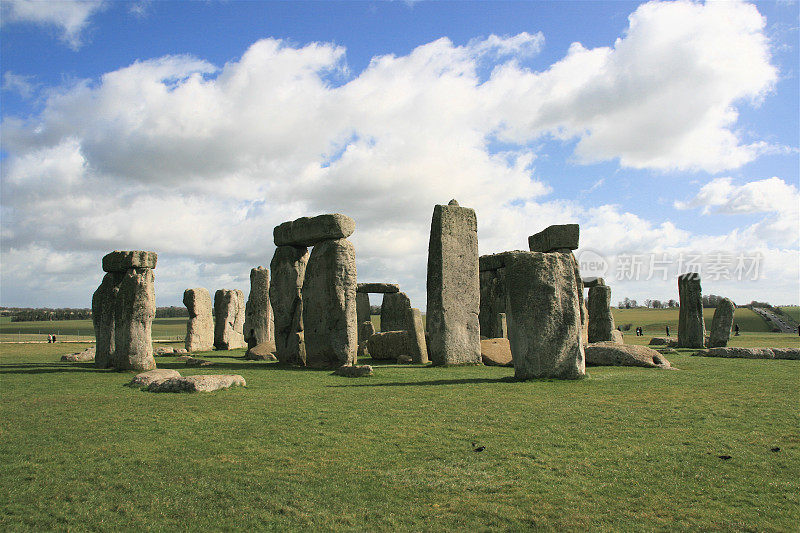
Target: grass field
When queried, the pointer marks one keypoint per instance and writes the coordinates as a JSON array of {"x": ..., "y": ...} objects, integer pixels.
[
  {"x": 163, "y": 328},
  {"x": 627, "y": 449},
  {"x": 654, "y": 320},
  {"x": 792, "y": 311}
]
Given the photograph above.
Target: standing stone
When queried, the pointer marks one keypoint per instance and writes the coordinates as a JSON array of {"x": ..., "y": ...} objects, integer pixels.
[
  {"x": 394, "y": 311},
  {"x": 601, "y": 321},
  {"x": 258, "y": 323},
  {"x": 366, "y": 329},
  {"x": 721, "y": 324},
  {"x": 288, "y": 268},
  {"x": 453, "y": 287},
  {"x": 329, "y": 305},
  {"x": 134, "y": 310},
  {"x": 363, "y": 312},
  {"x": 501, "y": 329},
  {"x": 543, "y": 312},
  {"x": 103, "y": 318},
  {"x": 416, "y": 335},
  {"x": 492, "y": 301},
  {"x": 200, "y": 326},
  {"x": 229, "y": 319},
  {"x": 691, "y": 328}
]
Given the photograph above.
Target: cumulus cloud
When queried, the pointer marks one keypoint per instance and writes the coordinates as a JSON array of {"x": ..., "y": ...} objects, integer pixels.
[
  {"x": 19, "y": 83},
  {"x": 70, "y": 17},
  {"x": 199, "y": 162}
]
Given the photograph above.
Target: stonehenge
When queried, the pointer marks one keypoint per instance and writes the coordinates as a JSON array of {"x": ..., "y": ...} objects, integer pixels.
[
  {"x": 453, "y": 286},
  {"x": 200, "y": 326},
  {"x": 123, "y": 308},
  {"x": 394, "y": 311},
  {"x": 721, "y": 324},
  {"x": 228, "y": 319},
  {"x": 313, "y": 296},
  {"x": 259, "y": 327},
  {"x": 492, "y": 296},
  {"x": 601, "y": 321},
  {"x": 691, "y": 328},
  {"x": 555, "y": 238}
]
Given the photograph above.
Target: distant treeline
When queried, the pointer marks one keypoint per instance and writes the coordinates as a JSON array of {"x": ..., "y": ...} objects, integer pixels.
[
  {"x": 709, "y": 300},
  {"x": 36, "y": 315}
]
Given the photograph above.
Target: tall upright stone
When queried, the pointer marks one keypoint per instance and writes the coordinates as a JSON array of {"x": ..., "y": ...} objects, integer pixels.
[
  {"x": 601, "y": 321},
  {"x": 258, "y": 323},
  {"x": 134, "y": 310},
  {"x": 229, "y": 319},
  {"x": 288, "y": 268},
  {"x": 691, "y": 328},
  {"x": 363, "y": 312},
  {"x": 103, "y": 318},
  {"x": 394, "y": 311},
  {"x": 543, "y": 313},
  {"x": 329, "y": 305},
  {"x": 453, "y": 287},
  {"x": 721, "y": 324},
  {"x": 416, "y": 335},
  {"x": 200, "y": 326}
]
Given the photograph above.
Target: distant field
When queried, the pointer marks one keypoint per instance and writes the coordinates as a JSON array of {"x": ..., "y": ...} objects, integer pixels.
[
  {"x": 654, "y": 320},
  {"x": 163, "y": 328},
  {"x": 793, "y": 311}
]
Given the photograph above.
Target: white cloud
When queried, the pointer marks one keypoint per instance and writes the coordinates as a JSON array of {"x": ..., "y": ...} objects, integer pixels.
[
  {"x": 19, "y": 83},
  {"x": 71, "y": 17},
  {"x": 200, "y": 162}
]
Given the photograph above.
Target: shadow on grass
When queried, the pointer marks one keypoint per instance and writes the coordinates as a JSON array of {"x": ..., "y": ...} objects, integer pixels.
[
  {"x": 462, "y": 381},
  {"x": 50, "y": 368}
]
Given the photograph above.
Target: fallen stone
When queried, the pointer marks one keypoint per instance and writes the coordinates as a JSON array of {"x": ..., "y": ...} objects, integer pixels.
[
  {"x": 200, "y": 326},
  {"x": 207, "y": 383},
  {"x": 612, "y": 354},
  {"x": 751, "y": 353},
  {"x": 691, "y": 328},
  {"x": 145, "y": 379},
  {"x": 261, "y": 352},
  {"x": 288, "y": 268},
  {"x": 544, "y": 316},
  {"x": 353, "y": 371},
  {"x": 662, "y": 341},
  {"x": 496, "y": 352},
  {"x": 601, "y": 321},
  {"x": 593, "y": 282},
  {"x": 389, "y": 345},
  {"x": 194, "y": 361},
  {"x": 134, "y": 310},
  {"x": 721, "y": 324},
  {"x": 416, "y": 336},
  {"x": 165, "y": 350},
  {"x": 453, "y": 287},
  {"x": 394, "y": 311},
  {"x": 556, "y": 237},
  {"x": 103, "y": 305},
  {"x": 181, "y": 350},
  {"x": 384, "y": 288},
  {"x": 258, "y": 324},
  {"x": 404, "y": 360},
  {"x": 308, "y": 231},
  {"x": 120, "y": 261},
  {"x": 229, "y": 319},
  {"x": 77, "y": 357},
  {"x": 260, "y": 357},
  {"x": 329, "y": 305}
]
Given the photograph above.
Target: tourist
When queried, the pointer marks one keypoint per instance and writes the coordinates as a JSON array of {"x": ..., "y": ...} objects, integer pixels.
[
  {"x": 667, "y": 328},
  {"x": 736, "y": 330}
]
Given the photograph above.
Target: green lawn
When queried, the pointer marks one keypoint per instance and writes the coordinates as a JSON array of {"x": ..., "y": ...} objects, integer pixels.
[
  {"x": 628, "y": 449},
  {"x": 163, "y": 328},
  {"x": 654, "y": 320}
]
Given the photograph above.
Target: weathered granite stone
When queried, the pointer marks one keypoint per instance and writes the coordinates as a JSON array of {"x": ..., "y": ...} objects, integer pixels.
[
  {"x": 207, "y": 383},
  {"x": 581, "y": 300},
  {"x": 353, "y": 371},
  {"x": 134, "y": 310},
  {"x": 103, "y": 305},
  {"x": 200, "y": 326},
  {"x": 229, "y": 319},
  {"x": 404, "y": 360},
  {"x": 118, "y": 261},
  {"x": 751, "y": 353},
  {"x": 543, "y": 312},
  {"x": 721, "y": 324},
  {"x": 389, "y": 345},
  {"x": 261, "y": 352},
  {"x": 329, "y": 305},
  {"x": 394, "y": 311},
  {"x": 691, "y": 328},
  {"x": 492, "y": 261},
  {"x": 613, "y": 354},
  {"x": 365, "y": 330},
  {"x": 195, "y": 361},
  {"x": 556, "y": 237},
  {"x": 593, "y": 282},
  {"x": 616, "y": 337},
  {"x": 453, "y": 287},
  {"x": 363, "y": 312},
  {"x": 601, "y": 321},
  {"x": 165, "y": 350},
  {"x": 288, "y": 268},
  {"x": 416, "y": 336},
  {"x": 496, "y": 352},
  {"x": 384, "y": 288},
  {"x": 258, "y": 323},
  {"x": 492, "y": 301},
  {"x": 501, "y": 329},
  {"x": 663, "y": 341},
  {"x": 308, "y": 231},
  {"x": 153, "y": 376},
  {"x": 181, "y": 351},
  {"x": 85, "y": 355}
]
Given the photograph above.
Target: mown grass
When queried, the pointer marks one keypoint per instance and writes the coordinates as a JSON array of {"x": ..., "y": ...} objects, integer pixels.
[
  {"x": 627, "y": 449},
  {"x": 163, "y": 328},
  {"x": 654, "y": 320}
]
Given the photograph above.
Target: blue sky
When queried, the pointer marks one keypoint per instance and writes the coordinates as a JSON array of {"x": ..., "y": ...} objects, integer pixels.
[{"x": 192, "y": 128}]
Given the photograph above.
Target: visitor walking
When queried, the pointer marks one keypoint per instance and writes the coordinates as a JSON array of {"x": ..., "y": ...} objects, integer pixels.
[
  {"x": 736, "y": 330},
  {"x": 667, "y": 328}
]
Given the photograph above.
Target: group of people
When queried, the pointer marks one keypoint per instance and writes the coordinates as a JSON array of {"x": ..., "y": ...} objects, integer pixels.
[{"x": 51, "y": 338}]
